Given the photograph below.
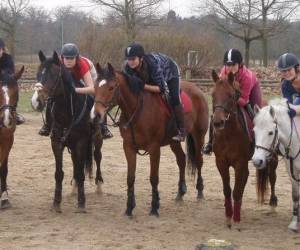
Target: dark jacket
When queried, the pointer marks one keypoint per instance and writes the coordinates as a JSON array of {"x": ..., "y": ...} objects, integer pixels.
[
  {"x": 7, "y": 63},
  {"x": 157, "y": 69},
  {"x": 288, "y": 91}
]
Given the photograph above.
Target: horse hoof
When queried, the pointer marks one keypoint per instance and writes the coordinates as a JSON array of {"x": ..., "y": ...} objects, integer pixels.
[
  {"x": 80, "y": 210},
  {"x": 154, "y": 212},
  {"x": 273, "y": 202},
  {"x": 293, "y": 227},
  {"x": 179, "y": 197},
  {"x": 200, "y": 196},
  {"x": 228, "y": 223},
  {"x": 56, "y": 208},
  {"x": 128, "y": 213},
  {"x": 5, "y": 204},
  {"x": 99, "y": 188},
  {"x": 237, "y": 226}
]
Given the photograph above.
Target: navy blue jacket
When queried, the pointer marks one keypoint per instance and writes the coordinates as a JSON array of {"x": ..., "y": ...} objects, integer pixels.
[
  {"x": 7, "y": 63},
  {"x": 288, "y": 91},
  {"x": 160, "y": 69}
]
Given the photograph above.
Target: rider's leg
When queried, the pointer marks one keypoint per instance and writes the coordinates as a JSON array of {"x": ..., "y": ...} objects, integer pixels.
[
  {"x": 45, "y": 130},
  {"x": 207, "y": 149},
  {"x": 106, "y": 134}
]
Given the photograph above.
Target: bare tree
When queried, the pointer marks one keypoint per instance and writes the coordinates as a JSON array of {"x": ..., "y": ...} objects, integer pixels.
[
  {"x": 131, "y": 12},
  {"x": 10, "y": 13},
  {"x": 251, "y": 20}
]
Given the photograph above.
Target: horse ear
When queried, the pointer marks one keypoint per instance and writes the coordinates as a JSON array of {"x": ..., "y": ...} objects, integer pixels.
[
  {"x": 42, "y": 57},
  {"x": 231, "y": 78},
  {"x": 19, "y": 73},
  {"x": 99, "y": 69},
  {"x": 215, "y": 76},
  {"x": 272, "y": 111},
  {"x": 56, "y": 58},
  {"x": 111, "y": 69},
  {"x": 256, "y": 109}
]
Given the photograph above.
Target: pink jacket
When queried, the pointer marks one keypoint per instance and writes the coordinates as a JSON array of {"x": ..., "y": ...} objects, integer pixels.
[{"x": 247, "y": 80}]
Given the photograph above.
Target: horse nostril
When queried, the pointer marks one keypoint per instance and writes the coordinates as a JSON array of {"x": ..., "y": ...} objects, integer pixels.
[{"x": 218, "y": 124}]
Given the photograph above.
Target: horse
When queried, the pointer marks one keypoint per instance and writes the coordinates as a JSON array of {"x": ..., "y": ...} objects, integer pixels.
[
  {"x": 144, "y": 126},
  {"x": 232, "y": 147},
  {"x": 274, "y": 130},
  {"x": 9, "y": 93},
  {"x": 71, "y": 126}
]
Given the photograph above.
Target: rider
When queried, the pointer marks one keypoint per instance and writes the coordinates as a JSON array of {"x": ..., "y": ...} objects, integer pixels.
[
  {"x": 158, "y": 72},
  {"x": 249, "y": 87},
  {"x": 288, "y": 65},
  {"x": 84, "y": 74},
  {"x": 7, "y": 64}
]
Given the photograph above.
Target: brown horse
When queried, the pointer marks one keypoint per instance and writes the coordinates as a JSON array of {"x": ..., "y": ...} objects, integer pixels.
[
  {"x": 144, "y": 126},
  {"x": 9, "y": 93},
  {"x": 232, "y": 147}
]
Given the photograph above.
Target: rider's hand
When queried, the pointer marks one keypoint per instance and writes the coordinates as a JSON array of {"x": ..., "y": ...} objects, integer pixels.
[{"x": 292, "y": 113}]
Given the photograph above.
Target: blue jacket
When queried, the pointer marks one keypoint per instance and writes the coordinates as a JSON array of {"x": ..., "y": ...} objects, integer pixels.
[
  {"x": 288, "y": 91},
  {"x": 7, "y": 63},
  {"x": 160, "y": 69}
]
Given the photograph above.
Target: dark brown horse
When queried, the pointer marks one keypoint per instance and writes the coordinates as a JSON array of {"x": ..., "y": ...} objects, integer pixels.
[
  {"x": 232, "y": 147},
  {"x": 144, "y": 126},
  {"x": 9, "y": 93},
  {"x": 71, "y": 126}
]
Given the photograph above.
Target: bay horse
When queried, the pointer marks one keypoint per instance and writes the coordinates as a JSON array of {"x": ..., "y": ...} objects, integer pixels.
[
  {"x": 9, "y": 93},
  {"x": 232, "y": 147},
  {"x": 144, "y": 126},
  {"x": 71, "y": 125},
  {"x": 275, "y": 130}
]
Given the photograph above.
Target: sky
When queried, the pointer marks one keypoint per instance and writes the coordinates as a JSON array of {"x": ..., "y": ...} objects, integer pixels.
[{"x": 183, "y": 8}]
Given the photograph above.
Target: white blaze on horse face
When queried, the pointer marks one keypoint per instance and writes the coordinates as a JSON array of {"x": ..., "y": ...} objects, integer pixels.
[
  {"x": 6, "y": 112},
  {"x": 103, "y": 82},
  {"x": 92, "y": 113},
  {"x": 34, "y": 100}
]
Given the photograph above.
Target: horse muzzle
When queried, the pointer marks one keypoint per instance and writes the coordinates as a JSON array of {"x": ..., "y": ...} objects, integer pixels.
[
  {"x": 219, "y": 125},
  {"x": 258, "y": 162}
]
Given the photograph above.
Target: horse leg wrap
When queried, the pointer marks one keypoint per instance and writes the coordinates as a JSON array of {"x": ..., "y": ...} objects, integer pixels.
[
  {"x": 237, "y": 211},
  {"x": 228, "y": 207}
]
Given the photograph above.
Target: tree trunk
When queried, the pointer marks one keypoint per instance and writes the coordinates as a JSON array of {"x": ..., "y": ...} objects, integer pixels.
[
  {"x": 247, "y": 52},
  {"x": 264, "y": 39}
]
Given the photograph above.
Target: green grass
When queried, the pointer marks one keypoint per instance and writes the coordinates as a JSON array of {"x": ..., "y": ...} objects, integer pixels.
[{"x": 24, "y": 105}]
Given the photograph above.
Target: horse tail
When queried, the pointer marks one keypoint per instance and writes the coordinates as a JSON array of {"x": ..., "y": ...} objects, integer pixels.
[
  {"x": 191, "y": 154},
  {"x": 262, "y": 184}
]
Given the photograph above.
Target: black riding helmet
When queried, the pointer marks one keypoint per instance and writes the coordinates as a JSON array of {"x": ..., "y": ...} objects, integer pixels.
[
  {"x": 134, "y": 49},
  {"x": 232, "y": 56},
  {"x": 2, "y": 44},
  {"x": 70, "y": 50},
  {"x": 287, "y": 61}
]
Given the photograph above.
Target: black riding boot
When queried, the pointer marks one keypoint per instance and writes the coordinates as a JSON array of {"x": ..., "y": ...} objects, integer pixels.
[
  {"x": 106, "y": 134},
  {"x": 45, "y": 130},
  {"x": 179, "y": 118},
  {"x": 207, "y": 148},
  {"x": 250, "y": 111}
]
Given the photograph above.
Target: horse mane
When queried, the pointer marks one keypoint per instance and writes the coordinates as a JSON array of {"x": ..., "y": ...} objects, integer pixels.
[
  {"x": 278, "y": 102},
  {"x": 135, "y": 84}
]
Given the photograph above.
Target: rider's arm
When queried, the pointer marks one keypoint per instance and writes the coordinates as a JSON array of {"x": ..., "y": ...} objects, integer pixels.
[
  {"x": 152, "y": 88},
  {"x": 89, "y": 89}
]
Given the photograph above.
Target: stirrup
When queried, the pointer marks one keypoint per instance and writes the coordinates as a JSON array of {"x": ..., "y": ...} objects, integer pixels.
[{"x": 44, "y": 131}]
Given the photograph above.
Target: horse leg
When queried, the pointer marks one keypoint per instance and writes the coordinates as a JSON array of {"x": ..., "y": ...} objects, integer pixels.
[
  {"x": 4, "y": 195},
  {"x": 89, "y": 159},
  {"x": 241, "y": 177},
  {"x": 272, "y": 179},
  {"x": 57, "y": 149},
  {"x": 98, "y": 157},
  {"x": 79, "y": 159},
  {"x": 180, "y": 158},
  {"x": 295, "y": 195},
  {"x": 130, "y": 155},
  {"x": 224, "y": 172},
  {"x": 154, "y": 162}
]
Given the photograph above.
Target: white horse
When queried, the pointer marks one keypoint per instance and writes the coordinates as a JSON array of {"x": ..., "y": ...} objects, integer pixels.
[{"x": 275, "y": 130}]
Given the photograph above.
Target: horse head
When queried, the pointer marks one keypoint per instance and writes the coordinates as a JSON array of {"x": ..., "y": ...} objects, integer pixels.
[
  {"x": 105, "y": 90},
  {"x": 224, "y": 98},
  {"x": 267, "y": 129},
  {"x": 51, "y": 81},
  {"x": 9, "y": 94}
]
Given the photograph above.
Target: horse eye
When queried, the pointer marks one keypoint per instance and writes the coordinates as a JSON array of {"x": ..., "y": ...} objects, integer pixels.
[{"x": 271, "y": 133}]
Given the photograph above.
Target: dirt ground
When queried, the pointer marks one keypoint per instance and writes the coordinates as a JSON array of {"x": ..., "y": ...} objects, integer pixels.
[{"x": 31, "y": 224}]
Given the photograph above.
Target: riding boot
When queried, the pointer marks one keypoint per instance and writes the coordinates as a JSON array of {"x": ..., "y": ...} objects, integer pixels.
[
  {"x": 207, "y": 149},
  {"x": 19, "y": 119},
  {"x": 106, "y": 134},
  {"x": 250, "y": 111},
  {"x": 179, "y": 118},
  {"x": 45, "y": 130}
]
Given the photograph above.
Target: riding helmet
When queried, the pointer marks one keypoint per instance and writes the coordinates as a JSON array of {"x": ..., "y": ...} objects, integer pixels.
[
  {"x": 134, "y": 49},
  {"x": 287, "y": 61},
  {"x": 70, "y": 50},
  {"x": 2, "y": 44},
  {"x": 233, "y": 56}
]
